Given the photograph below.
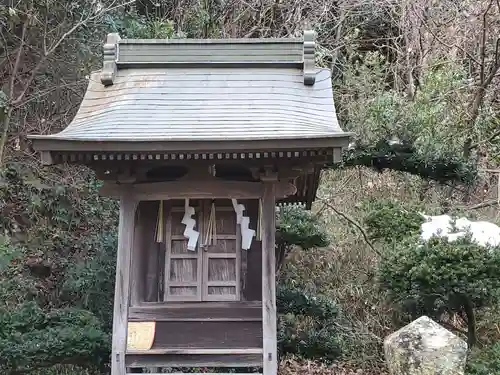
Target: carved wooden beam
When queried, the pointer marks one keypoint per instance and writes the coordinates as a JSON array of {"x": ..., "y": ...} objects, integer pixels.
[
  {"x": 309, "y": 63},
  {"x": 110, "y": 52},
  {"x": 269, "y": 174},
  {"x": 124, "y": 174},
  {"x": 285, "y": 189},
  {"x": 200, "y": 189},
  {"x": 295, "y": 172},
  {"x": 200, "y": 172}
]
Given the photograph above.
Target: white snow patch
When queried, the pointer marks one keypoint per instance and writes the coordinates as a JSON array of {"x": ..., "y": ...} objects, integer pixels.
[{"x": 483, "y": 233}]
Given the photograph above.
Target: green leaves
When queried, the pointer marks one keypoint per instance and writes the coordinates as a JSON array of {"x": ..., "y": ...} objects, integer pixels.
[
  {"x": 298, "y": 302},
  {"x": 9, "y": 254},
  {"x": 296, "y": 226},
  {"x": 390, "y": 220},
  {"x": 429, "y": 129},
  {"x": 436, "y": 276},
  {"x": 33, "y": 338},
  {"x": 431, "y": 277},
  {"x": 485, "y": 361},
  {"x": 133, "y": 25},
  {"x": 307, "y": 324},
  {"x": 299, "y": 227},
  {"x": 90, "y": 285},
  {"x": 406, "y": 157}
]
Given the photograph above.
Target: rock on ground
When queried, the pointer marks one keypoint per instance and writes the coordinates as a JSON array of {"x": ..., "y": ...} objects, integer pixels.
[{"x": 424, "y": 347}]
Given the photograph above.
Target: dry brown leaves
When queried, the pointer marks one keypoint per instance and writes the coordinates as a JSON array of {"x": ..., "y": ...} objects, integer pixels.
[{"x": 293, "y": 366}]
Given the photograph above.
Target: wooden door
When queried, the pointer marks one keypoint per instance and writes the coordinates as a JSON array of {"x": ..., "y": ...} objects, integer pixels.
[
  {"x": 221, "y": 260},
  {"x": 183, "y": 268}
]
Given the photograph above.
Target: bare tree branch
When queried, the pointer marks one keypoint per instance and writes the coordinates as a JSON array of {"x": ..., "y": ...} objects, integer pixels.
[
  {"x": 353, "y": 222},
  {"x": 6, "y": 116},
  {"x": 56, "y": 44}
]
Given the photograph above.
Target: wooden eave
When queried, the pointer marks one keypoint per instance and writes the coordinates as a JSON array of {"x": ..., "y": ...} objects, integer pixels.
[
  {"x": 218, "y": 149},
  {"x": 235, "y": 95},
  {"x": 254, "y": 102}
]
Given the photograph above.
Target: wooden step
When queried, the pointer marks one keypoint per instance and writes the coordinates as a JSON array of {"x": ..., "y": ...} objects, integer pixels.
[
  {"x": 196, "y": 311},
  {"x": 195, "y": 357},
  {"x": 195, "y": 351},
  {"x": 204, "y": 373}
]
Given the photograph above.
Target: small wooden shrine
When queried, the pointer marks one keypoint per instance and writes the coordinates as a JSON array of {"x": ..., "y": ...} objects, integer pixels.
[{"x": 199, "y": 140}]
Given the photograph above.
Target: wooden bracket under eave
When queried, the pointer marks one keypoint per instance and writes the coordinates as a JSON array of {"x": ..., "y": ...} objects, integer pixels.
[
  {"x": 309, "y": 63},
  {"x": 195, "y": 190},
  {"x": 110, "y": 52},
  {"x": 46, "y": 158},
  {"x": 269, "y": 174}
]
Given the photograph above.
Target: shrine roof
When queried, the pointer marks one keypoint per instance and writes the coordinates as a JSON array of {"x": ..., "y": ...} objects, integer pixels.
[{"x": 227, "y": 94}]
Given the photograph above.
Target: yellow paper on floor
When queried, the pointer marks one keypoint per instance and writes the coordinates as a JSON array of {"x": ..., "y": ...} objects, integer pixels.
[{"x": 140, "y": 335}]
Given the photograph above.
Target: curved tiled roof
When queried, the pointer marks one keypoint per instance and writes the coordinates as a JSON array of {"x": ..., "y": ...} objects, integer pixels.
[
  {"x": 182, "y": 104},
  {"x": 225, "y": 99},
  {"x": 188, "y": 94}
]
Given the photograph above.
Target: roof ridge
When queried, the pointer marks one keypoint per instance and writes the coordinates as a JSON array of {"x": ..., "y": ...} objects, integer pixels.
[{"x": 220, "y": 53}]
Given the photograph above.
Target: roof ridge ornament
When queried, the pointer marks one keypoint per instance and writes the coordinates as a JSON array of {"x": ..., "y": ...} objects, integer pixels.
[
  {"x": 309, "y": 63},
  {"x": 110, "y": 52}
]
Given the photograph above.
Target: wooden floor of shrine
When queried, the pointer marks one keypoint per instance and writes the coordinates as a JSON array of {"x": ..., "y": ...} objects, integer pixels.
[{"x": 200, "y": 334}]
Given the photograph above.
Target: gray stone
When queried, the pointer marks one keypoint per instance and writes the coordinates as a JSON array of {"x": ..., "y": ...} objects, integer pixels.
[{"x": 423, "y": 347}]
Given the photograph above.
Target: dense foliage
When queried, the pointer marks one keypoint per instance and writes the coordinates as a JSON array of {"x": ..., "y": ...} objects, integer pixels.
[
  {"x": 40, "y": 325},
  {"x": 415, "y": 81},
  {"x": 439, "y": 277},
  {"x": 485, "y": 361},
  {"x": 307, "y": 324},
  {"x": 44, "y": 332},
  {"x": 90, "y": 285},
  {"x": 387, "y": 155},
  {"x": 32, "y": 338},
  {"x": 390, "y": 220},
  {"x": 297, "y": 227}
]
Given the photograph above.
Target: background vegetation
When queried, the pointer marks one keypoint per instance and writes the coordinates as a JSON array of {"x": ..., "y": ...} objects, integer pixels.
[{"x": 417, "y": 81}]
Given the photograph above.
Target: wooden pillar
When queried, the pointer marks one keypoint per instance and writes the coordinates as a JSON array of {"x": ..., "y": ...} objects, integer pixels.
[
  {"x": 136, "y": 261},
  {"x": 270, "y": 361},
  {"x": 128, "y": 206}
]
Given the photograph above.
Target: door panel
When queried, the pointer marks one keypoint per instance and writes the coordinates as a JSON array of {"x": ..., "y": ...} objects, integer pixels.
[
  {"x": 225, "y": 244},
  {"x": 216, "y": 292},
  {"x": 210, "y": 273},
  {"x": 221, "y": 260},
  {"x": 183, "y": 268},
  {"x": 220, "y": 269}
]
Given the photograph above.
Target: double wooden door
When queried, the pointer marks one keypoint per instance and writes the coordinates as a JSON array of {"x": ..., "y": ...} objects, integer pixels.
[{"x": 210, "y": 272}]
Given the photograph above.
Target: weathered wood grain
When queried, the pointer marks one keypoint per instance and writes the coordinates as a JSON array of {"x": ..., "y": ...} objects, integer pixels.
[
  {"x": 197, "y": 311},
  {"x": 269, "y": 279},
  {"x": 208, "y": 373},
  {"x": 183, "y": 268},
  {"x": 252, "y": 265},
  {"x": 194, "y": 360},
  {"x": 186, "y": 189},
  {"x": 122, "y": 287},
  {"x": 198, "y": 351},
  {"x": 208, "y": 335},
  {"x": 221, "y": 259},
  {"x": 195, "y": 190}
]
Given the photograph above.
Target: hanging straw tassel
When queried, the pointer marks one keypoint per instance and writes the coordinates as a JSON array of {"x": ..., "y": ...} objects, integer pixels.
[
  {"x": 160, "y": 234},
  {"x": 214, "y": 226},
  {"x": 211, "y": 233},
  {"x": 258, "y": 235},
  {"x": 208, "y": 223}
]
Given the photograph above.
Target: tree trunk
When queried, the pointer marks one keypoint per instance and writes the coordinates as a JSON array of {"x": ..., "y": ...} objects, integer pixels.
[
  {"x": 5, "y": 130},
  {"x": 471, "y": 323}
]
